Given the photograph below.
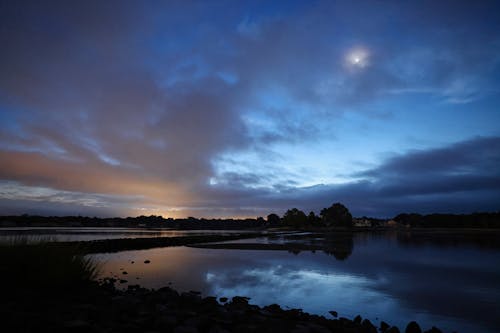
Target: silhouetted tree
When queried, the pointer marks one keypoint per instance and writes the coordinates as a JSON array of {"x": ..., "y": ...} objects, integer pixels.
[
  {"x": 294, "y": 217},
  {"x": 273, "y": 219},
  {"x": 336, "y": 215},
  {"x": 410, "y": 219},
  {"x": 313, "y": 219}
]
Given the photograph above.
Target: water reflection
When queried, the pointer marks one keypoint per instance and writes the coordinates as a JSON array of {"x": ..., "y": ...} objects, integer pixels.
[
  {"x": 59, "y": 234},
  {"x": 454, "y": 288},
  {"x": 340, "y": 245}
]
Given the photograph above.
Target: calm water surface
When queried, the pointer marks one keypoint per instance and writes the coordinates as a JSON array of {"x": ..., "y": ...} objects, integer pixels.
[
  {"x": 451, "y": 285},
  {"x": 86, "y": 234}
]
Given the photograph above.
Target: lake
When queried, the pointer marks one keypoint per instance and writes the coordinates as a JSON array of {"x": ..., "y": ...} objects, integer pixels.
[
  {"x": 446, "y": 279},
  {"x": 449, "y": 282},
  {"x": 61, "y": 234}
]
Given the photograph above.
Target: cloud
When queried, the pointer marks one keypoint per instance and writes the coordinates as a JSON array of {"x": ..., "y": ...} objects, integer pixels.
[
  {"x": 461, "y": 177},
  {"x": 124, "y": 99}
]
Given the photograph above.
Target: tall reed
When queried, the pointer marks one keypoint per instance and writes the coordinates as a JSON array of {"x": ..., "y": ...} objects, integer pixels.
[{"x": 31, "y": 265}]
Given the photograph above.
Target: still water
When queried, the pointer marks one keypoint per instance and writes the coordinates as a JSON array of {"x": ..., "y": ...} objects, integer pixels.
[
  {"x": 69, "y": 234},
  {"x": 452, "y": 285}
]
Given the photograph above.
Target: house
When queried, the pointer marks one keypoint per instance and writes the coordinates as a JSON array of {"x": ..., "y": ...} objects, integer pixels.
[{"x": 361, "y": 222}]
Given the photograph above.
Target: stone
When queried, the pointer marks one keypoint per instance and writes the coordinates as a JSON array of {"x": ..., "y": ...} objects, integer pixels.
[
  {"x": 413, "y": 327},
  {"x": 77, "y": 325},
  {"x": 273, "y": 308},
  {"x": 368, "y": 326},
  {"x": 160, "y": 308},
  {"x": 318, "y": 328},
  {"x": 383, "y": 326},
  {"x": 333, "y": 313},
  {"x": 434, "y": 330},
  {"x": 223, "y": 299},
  {"x": 357, "y": 319},
  {"x": 218, "y": 329},
  {"x": 185, "y": 329},
  {"x": 301, "y": 329},
  {"x": 147, "y": 261},
  {"x": 240, "y": 300}
]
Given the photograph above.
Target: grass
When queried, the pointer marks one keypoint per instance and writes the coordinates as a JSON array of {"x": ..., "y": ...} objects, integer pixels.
[{"x": 38, "y": 266}]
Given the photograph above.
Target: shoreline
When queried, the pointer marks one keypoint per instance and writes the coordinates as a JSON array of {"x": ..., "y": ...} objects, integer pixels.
[{"x": 104, "y": 308}]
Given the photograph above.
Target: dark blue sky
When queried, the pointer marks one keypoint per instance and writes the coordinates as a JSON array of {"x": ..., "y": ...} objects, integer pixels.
[{"x": 224, "y": 108}]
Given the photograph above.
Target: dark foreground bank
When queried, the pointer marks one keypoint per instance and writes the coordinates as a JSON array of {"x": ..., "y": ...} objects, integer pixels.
[
  {"x": 103, "y": 308},
  {"x": 48, "y": 287}
]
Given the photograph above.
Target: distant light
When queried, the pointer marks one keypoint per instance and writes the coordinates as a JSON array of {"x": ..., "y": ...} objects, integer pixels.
[{"x": 357, "y": 58}]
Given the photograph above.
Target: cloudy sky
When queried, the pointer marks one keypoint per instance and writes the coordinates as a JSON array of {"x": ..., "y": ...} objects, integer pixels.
[{"x": 229, "y": 108}]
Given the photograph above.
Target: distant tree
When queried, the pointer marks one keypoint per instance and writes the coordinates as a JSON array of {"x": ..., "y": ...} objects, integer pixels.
[
  {"x": 273, "y": 219},
  {"x": 313, "y": 219},
  {"x": 294, "y": 217},
  {"x": 410, "y": 219},
  {"x": 336, "y": 215}
]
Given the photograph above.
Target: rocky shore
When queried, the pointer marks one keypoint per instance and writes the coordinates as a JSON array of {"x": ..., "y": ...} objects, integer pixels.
[{"x": 103, "y": 308}]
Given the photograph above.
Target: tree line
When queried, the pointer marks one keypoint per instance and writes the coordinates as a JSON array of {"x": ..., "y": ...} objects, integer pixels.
[{"x": 337, "y": 215}]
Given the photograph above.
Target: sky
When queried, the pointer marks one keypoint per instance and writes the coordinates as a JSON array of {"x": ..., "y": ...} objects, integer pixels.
[{"x": 240, "y": 109}]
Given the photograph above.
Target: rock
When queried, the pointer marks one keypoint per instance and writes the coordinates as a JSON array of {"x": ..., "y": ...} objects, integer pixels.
[
  {"x": 134, "y": 287},
  {"x": 191, "y": 297},
  {"x": 300, "y": 329},
  {"x": 147, "y": 261},
  {"x": 383, "y": 326},
  {"x": 317, "y": 328},
  {"x": 217, "y": 329},
  {"x": 185, "y": 329},
  {"x": 294, "y": 313},
  {"x": 223, "y": 299},
  {"x": 210, "y": 302},
  {"x": 368, "y": 326},
  {"x": 240, "y": 300},
  {"x": 357, "y": 319},
  {"x": 123, "y": 281},
  {"x": 168, "y": 293},
  {"x": 393, "y": 329},
  {"x": 366, "y": 323},
  {"x": 124, "y": 273},
  {"x": 333, "y": 313},
  {"x": 413, "y": 327},
  {"x": 434, "y": 330},
  {"x": 273, "y": 308},
  {"x": 160, "y": 308},
  {"x": 77, "y": 326},
  {"x": 192, "y": 322},
  {"x": 166, "y": 322}
]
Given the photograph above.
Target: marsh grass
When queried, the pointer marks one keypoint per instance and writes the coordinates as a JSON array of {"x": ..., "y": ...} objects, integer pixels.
[{"x": 41, "y": 266}]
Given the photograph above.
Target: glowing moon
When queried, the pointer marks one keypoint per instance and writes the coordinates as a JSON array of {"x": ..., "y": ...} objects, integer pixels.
[{"x": 357, "y": 58}]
